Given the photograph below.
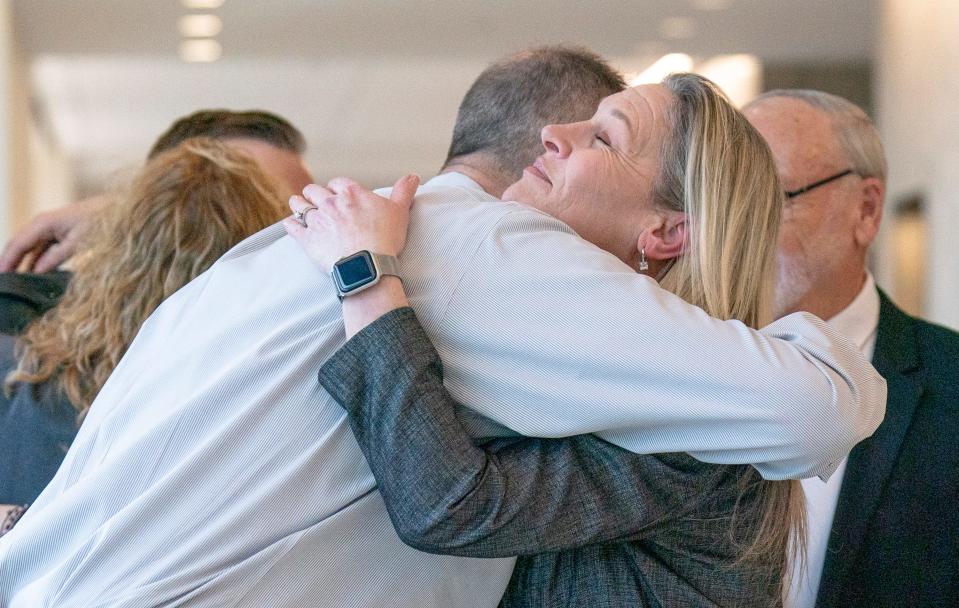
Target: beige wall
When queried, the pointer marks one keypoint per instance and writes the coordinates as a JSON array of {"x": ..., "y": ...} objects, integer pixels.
[
  {"x": 51, "y": 182},
  {"x": 917, "y": 99},
  {"x": 13, "y": 138},
  {"x": 34, "y": 173}
]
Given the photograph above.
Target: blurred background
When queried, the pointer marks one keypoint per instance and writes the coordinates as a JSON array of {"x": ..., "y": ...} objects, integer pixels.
[{"x": 87, "y": 85}]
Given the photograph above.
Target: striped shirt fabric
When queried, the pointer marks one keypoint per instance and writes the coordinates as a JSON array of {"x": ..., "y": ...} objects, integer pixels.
[{"x": 213, "y": 470}]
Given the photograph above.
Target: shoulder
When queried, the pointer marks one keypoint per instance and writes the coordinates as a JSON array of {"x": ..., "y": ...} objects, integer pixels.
[
  {"x": 937, "y": 340},
  {"x": 24, "y": 297},
  {"x": 36, "y": 287},
  {"x": 910, "y": 342},
  {"x": 461, "y": 227},
  {"x": 465, "y": 208},
  {"x": 936, "y": 345},
  {"x": 938, "y": 355}
]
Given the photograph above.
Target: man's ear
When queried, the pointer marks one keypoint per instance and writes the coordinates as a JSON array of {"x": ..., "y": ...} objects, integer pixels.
[
  {"x": 667, "y": 240},
  {"x": 870, "y": 211}
]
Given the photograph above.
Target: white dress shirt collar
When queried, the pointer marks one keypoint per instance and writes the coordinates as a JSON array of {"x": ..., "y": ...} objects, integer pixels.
[
  {"x": 454, "y": 178},
  {"x": 860, "y": 320}
]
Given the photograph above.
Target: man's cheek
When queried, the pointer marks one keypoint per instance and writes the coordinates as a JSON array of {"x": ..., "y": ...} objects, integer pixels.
[{"x": 790, "y": 237}]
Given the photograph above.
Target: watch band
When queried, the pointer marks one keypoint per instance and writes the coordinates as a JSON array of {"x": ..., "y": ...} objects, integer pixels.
[{"x": 386, "y": 264}]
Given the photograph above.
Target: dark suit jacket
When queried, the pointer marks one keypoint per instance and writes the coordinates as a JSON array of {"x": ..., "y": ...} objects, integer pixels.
[
  {"x": 37, "y": 426},
  {"x": 24, "y": 297},
  {"x": 895, "y": 535},
  {"x": 595, "y": 526},
  {"x": 37, "y": 423}
]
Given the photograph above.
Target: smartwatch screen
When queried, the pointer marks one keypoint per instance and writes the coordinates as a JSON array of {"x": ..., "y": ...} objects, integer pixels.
[{"x": 355, "y": 271}]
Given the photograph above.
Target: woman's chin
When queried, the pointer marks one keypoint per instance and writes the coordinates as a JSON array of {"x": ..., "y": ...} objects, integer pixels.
[
  {"x": 510, "y": 194},
  {"x": 524, "y": 192}
]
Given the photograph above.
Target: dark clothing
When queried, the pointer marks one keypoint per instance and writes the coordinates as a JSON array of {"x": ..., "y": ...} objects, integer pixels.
[
  {"x": 595, "y": 525},
  {"x": 24, "y": 297},
  {"x": 895, "y": 535},
  {"x": 37, "y": 426}
]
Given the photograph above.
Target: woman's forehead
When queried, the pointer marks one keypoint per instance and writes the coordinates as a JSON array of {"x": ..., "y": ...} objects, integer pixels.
[
  {"x": 642, "y": 108},
  {"x": 651, "y": 99},
  {"x": 644, "y": 102}
]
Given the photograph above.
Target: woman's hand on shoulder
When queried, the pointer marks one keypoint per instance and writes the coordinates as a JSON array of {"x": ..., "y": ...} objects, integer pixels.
[{"x": 343, "y": 217}]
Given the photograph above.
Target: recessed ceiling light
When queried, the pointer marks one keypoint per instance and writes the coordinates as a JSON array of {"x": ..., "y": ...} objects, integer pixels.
[
  {"x": 663, "y": 67},
  {"x": 711, "y": 5},
  {"x": 200, "y": 26},
  {"x": 740, "y": 76},
  {"x": 202, "y": 4},
  {"x": 677, "y": 28},
  {"x": 200, "y": 50}
]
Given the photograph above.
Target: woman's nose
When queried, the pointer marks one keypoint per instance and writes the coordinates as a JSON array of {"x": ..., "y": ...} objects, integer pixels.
[{"x": 556, "y": 139}]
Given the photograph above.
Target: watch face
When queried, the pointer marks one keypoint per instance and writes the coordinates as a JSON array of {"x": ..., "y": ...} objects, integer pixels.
[{"x": 354, "y": 272}]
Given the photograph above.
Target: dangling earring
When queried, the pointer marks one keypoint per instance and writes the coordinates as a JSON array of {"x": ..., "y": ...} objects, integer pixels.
[{"x": 643, "y": 264}]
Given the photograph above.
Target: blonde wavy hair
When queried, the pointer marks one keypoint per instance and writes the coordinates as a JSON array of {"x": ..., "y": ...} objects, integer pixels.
[
  {"x": 184, "y": 210},
  {"x": 718, "y": 170}
]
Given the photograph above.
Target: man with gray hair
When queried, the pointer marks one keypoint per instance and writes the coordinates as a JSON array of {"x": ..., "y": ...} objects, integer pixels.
[
  {"x": 498, "y": 122},
  {"x": 878, "y": 535}
]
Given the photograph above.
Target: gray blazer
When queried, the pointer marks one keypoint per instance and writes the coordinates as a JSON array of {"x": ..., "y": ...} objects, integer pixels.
[{"x": 594, "y": 525}]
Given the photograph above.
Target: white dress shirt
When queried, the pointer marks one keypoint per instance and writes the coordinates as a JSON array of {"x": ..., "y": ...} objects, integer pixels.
[
  {"x": 859, "y": 322},
  {"x": 213, "y": 470}
]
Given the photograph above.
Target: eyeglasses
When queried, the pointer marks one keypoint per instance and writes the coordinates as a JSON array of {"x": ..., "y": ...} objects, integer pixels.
[{"x": 822, "y": 182}]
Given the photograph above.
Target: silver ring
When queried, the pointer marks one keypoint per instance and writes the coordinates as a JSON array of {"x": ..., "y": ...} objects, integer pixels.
[{"x": 300, "y": 216}]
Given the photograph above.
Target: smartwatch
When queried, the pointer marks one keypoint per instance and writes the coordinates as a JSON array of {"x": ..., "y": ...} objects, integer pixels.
[{"x": 362, "y": 270}]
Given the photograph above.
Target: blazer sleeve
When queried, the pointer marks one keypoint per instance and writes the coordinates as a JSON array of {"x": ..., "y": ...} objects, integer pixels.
[{"x": 510, "y": 497}]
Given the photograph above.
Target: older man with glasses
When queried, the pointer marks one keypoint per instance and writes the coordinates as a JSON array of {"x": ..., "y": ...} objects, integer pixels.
[{"x": 878, "y": 535}]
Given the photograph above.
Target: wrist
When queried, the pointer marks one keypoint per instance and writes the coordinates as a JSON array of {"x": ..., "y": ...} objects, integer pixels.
[
  {"x": 361, "y": 309},
  {"x": 387, "y": 288}
]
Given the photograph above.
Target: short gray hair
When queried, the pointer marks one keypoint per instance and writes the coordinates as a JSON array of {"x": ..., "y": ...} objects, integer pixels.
[
  {"x": 857, "y": 135},
  {"x": 504, "y": 111}
]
